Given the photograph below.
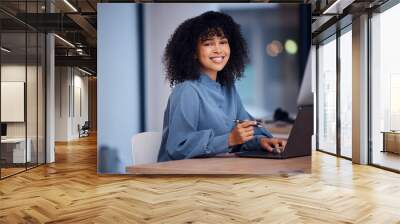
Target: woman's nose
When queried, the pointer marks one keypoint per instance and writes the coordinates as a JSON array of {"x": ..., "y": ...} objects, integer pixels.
[{"x": 218, "y": 48}]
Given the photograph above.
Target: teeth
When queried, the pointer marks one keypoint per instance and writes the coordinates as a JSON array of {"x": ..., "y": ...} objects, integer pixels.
[{"x": 217, "y": 59}]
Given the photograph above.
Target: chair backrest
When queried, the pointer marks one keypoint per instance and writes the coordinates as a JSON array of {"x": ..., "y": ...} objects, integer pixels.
[
  {"x": 86, "y": 125},
  {"x": 145, "y": 147}
]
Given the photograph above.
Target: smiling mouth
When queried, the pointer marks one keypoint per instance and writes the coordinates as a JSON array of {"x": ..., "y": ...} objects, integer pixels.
[{"x": 217, "y": 59}]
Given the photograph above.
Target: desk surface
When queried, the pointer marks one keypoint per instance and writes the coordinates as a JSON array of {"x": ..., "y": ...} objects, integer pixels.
[
  {"x": 226, "y": 165},
  {"x": 13, "y": 140},
  {"x": 391, "y": 132}
]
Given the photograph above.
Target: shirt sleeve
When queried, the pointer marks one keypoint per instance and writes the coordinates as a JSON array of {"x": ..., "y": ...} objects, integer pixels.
[
  {"x": 242, "y": 114},
  {"x": 184, "y": 139}
]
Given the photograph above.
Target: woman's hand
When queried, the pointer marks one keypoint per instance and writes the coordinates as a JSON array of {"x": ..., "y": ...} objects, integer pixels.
[
  {"x": 270, "y": 144},
  {"x": 242, "y": 133}
]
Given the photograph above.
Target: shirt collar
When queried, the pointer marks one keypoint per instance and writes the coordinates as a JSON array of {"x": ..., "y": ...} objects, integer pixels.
[{"x": 205, "y": 79}]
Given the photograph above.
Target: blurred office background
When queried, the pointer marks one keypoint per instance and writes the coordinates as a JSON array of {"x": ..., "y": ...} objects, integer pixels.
[{"x": 272, "y": 78}]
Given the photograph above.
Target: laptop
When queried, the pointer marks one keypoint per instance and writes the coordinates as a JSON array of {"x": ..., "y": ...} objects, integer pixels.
[{"x": 299, "y": 142}]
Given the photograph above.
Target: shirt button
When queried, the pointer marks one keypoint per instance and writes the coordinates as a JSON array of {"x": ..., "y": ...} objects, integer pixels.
[{"x": 207, "y": 150}]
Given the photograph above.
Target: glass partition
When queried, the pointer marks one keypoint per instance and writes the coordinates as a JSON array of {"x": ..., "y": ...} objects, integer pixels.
[
  {"x": 22, "y": 88},
  {"x": 32, "y": 95},
  {"x": 327, "y": 96},
  {"x": 385, "y": 89},
  {"x": 41, "y": 87},
  {"x": 14, "y": 154},
  {"x": 346, "y": 93}
]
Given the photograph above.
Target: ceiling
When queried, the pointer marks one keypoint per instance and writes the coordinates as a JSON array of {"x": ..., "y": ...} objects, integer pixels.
[
  {"x": 76, "y": 22},
  {"x": 73, "y": 20}
]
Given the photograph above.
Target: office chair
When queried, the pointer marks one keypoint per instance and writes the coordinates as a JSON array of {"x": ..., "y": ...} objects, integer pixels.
[
  {"x": 145, "y": 147},
  {"x": 84, "y": 130}
]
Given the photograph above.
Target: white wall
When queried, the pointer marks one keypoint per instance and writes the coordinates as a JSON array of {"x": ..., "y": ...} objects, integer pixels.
[
  {"x": 67, "y": 80},
  {"x": 161, "y": 20},
  {"x": 80, "y": 115},
  {"x": 12, "y": 73},
  {"x": 33, "y": 126},
  {"x": 61, "y": 103},
  {"x": 16, "y": 72}
]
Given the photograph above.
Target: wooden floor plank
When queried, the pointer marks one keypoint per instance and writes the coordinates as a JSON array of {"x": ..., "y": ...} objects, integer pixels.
[{"x": 70, "y": 191}]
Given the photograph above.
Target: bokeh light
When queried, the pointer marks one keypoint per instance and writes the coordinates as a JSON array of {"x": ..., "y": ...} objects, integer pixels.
[
  {"x": 274, "y": 48},
  {"x": 291, "y": 46}
]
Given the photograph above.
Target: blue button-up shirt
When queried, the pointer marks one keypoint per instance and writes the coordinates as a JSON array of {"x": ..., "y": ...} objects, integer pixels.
[{"x": 198, "y": 119}]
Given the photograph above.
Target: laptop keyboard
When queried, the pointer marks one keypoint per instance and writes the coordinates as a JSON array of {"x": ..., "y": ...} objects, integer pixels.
[{"x": 259, "y": 154}]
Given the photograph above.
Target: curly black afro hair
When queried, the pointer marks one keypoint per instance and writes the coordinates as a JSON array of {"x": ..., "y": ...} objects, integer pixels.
[{"x": 179, "y": 56}]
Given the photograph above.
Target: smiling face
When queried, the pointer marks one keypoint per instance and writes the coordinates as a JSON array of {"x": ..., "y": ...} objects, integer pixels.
[{"x": 213, "y": 54}]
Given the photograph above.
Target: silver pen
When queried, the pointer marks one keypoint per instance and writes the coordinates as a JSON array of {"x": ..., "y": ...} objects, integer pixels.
[{"x": 258, "y": 124}]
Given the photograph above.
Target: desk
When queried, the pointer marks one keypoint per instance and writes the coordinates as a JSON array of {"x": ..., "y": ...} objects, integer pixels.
[
  {"x": 226, "y": 164},
  {"x": 13, "y": 150},
  {"x": 391, "y": 141}
]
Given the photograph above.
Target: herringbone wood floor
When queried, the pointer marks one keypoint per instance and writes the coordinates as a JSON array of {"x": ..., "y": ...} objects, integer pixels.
[{"x": 70, "y": 191}]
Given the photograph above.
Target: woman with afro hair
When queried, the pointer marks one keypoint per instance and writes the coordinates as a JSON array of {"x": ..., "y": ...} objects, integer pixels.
[{"x": 203, "y": 58}]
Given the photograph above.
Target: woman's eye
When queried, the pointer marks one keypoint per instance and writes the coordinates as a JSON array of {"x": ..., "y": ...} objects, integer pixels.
[{"x": 223, "y": 42}]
